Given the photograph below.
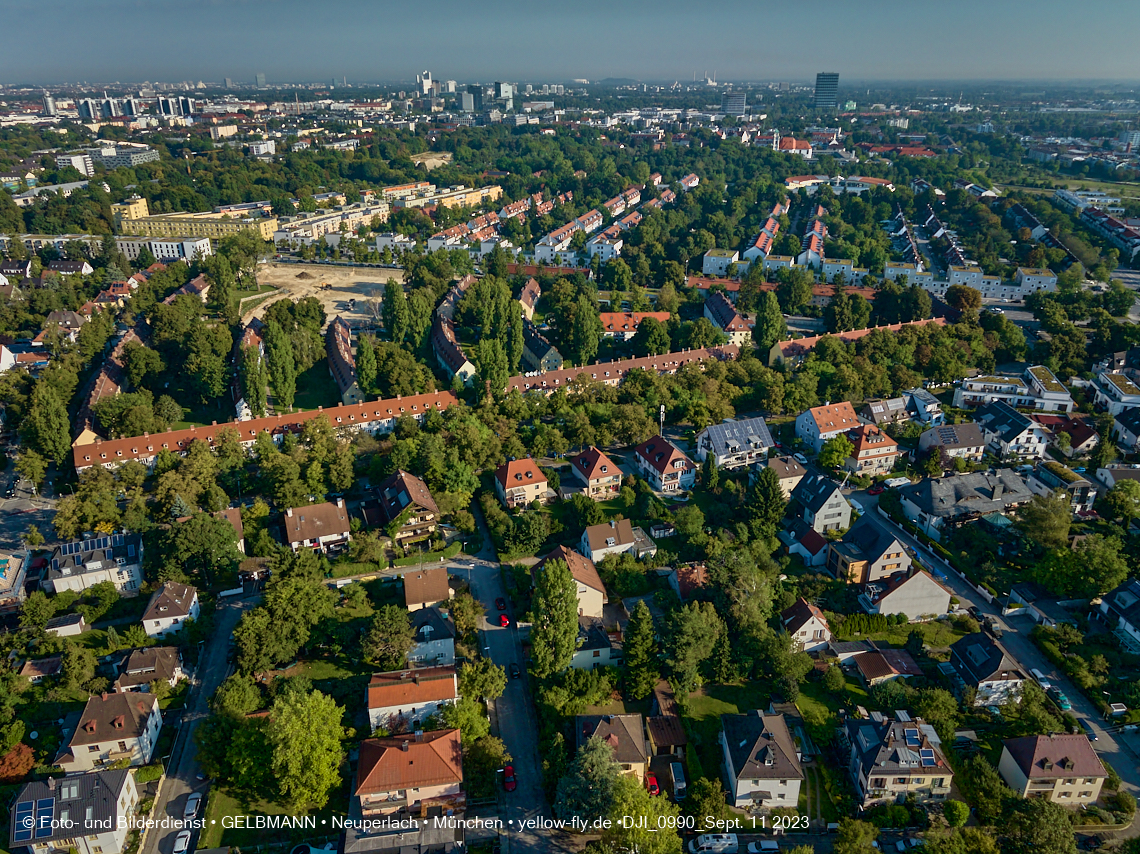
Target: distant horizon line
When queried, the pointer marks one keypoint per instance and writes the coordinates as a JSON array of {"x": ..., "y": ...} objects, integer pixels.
[{"x": 614, "y": 80}]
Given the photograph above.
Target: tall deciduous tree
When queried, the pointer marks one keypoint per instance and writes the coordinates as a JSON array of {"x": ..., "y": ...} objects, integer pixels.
[
  {"x": 254, "y": 379},
  {"x": 390, "y": 638},
  {"x": 1123, "y": 502},
  {"x": 366, "y": 365},
  {"x": 304, "y": 733},
  {"x": 1046, "y": 519},
  {"x": 585, "y": 333},
  {"x": 834, "y": 451},
  {"x": 45, "y": 428},
  {"x": 554, "y": 611},
  {"x": 641, "y": 822},
  {"x": 394, "y": 312}
]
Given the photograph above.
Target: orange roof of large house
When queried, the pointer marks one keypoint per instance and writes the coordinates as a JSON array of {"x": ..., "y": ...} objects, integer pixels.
[
  {"x": 628, "y": 321},
  {"x": 411, "y": 687},
  {"x": 867, "y": 437},
  {"x": 592, "y": 464},
  {"x": 787, "y": 143},
  {"x": 612, "y": 372},
  {"x": 836, "y": 416},
  {"x": 411, "y": 761},
  {"x": 519, "y": 472}
]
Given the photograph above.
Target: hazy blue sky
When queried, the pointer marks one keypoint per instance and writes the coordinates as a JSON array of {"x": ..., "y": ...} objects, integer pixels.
[{"x": 374, "y": 40}]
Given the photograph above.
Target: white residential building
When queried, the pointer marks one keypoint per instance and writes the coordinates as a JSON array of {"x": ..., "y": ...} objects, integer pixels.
[
  {"x": 46, "y": 812},
  {"x": 113, "y": 728},
  {"x": 81, "y": 564},
  {"x": 761, "y": 761},
  {"x": 169, "y": 609}
]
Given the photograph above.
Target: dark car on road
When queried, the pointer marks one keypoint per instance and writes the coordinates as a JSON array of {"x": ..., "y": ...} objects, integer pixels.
[
  {"x": 515, "y": 671},
  {"x": 501, "y": 603}
]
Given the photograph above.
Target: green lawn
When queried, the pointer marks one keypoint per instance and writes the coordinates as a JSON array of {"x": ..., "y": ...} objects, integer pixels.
[
  {"x": 937, "y": 634},
  {"x": 222, "y": 804},
  {"x": 316, "y": 388},
  {"x": 705, "y": 708},
  {"x": 220, "y": 410}
]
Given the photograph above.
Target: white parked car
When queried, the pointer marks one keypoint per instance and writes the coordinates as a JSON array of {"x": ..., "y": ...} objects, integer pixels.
[
  {"x": 800, "y": 458},
  {"x": 182, "y": 842},
  {"x": 193, "y": 803}
]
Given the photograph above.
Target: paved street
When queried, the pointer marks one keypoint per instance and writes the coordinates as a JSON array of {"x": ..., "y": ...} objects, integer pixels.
[
  {"x": 22, "y": 510},
  {"x": 182, "y": 766}
]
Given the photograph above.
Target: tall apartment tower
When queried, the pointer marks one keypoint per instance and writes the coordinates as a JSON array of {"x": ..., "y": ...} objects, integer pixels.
[
  {"x": 827, "y": 90},
  {"x": 260, "y": 81},
  {"x": 50, "y": 108},
  {"x": 229, "y": 83},
  {"x": 734, "y": 103},
  {"x": 475, "y": 90}
]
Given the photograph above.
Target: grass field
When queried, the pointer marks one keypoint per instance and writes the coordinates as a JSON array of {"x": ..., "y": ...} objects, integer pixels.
[
  {"x": 712, "y": 701},
  {"x": 222, "y": 804},
  {"x": 316, "y": 388}
]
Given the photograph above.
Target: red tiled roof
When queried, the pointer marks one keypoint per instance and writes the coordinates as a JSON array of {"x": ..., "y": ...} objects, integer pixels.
[
  {"x": 660, "y": 454},
  {"x": 430, "y": 759},
  {"x": 412, "y": 687},
  {"x": 517, "y": 472}
]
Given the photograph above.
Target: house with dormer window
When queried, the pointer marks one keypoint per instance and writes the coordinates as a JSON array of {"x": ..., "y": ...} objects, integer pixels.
[
  {"x": 519, "y": 482},
  {"x": 112, "y": 728},
  {"x": 761, "y": 761},
  {"x": 599, "y": 474},
  {"x": 169, "y": 608},
  {"x": 665, "y": 467}
]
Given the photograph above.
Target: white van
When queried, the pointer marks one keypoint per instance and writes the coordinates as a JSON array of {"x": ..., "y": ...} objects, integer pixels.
[
  {"x": 715, "y": 843},
  {"x": 678, "y": 775}
]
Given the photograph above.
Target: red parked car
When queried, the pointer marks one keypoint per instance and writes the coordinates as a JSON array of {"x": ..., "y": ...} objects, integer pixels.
[
  {"x": 651, "y": 784},
  {"x": 504, "y": 621},
  {"x": 510, "y": 782},
  {"x": 877, "y": 489}
]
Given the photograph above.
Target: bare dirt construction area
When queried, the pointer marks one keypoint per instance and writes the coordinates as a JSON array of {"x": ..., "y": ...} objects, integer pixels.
[{"x": 333, "y": 285}]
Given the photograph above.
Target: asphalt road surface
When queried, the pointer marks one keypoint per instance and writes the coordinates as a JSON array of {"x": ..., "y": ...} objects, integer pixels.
[{"x": 182, "y": 767}]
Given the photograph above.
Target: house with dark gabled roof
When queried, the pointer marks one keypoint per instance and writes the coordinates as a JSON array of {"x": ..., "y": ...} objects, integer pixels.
[
  {"x": 1009, "y": 433},
  {"x": 984, "y": 665},
  {"x": 955, "y": 440},
  {"x": 404, "y": 496},
  {"x": 1061, "y": 767},
  {"x": 934, "y": 504},
  {"x": 625, "y": 735},
  {"x": 889, "y": 411},
  {"x": 806, "y": 625},
  {"x": 46, "y": 812},
  {"x": 538, "y": 353},
  {"x": 113, "y": 728},
  {"x": 169, "y": 608},
  {"x": 821, "y": 504},
  {"x": 891, "y": 760},
  {"x": 867, "y": 552},
  {"x": 761, "y": 761},
  {"x": 138, "y": 668},
  {"x": 433, "y": 642}
]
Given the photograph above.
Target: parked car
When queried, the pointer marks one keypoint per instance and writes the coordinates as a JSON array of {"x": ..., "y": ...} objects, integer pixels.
[
  {"x": 1087, "y": 727},
  {"x": 800, "y": 458},
  {"x": 192, "y": 804},
  {"x": 764, "y": 846},
  {"x": 877, "y": 489},
  {"x": 1058, "y": 697},
  {"x": 182, "y": 842},
  {"x": 510, "y": 781},
  {"x": 501, "y": 603},
  {"x": 515, "y": 672},
  {"x": 504, "y": 621},
  {"x": 714, "y": 843},
  {"x": 651, "y": 784}
]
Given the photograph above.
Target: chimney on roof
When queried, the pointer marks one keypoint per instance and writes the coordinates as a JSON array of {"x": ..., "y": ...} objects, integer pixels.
[
  {"x": 999, "y": 488},
  {"x": 404, "y": 745}
]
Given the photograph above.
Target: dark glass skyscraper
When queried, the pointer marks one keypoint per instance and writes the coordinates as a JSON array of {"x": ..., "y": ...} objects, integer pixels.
[{"x": 827, "y": 90}]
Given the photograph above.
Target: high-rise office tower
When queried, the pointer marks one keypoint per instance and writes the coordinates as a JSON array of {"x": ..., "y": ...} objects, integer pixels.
[
  {"x": 827, "y": 90},
  {"x": 132, "y": 107},
  {"x": 260, "y": 81},
  {"x": 475, "y": 90},
  {"x": 734, "y": 103},
  {"x": 49, "y": 105},
  {"x": 503, "y": 90},
  {"x": 185, "y": 105},
  {"x": 88, "y": 108},
  {"x": 229, "y": 83}
]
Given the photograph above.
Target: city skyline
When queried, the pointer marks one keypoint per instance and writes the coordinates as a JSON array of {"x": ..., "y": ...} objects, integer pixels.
[{"x": 882, "y": 41}]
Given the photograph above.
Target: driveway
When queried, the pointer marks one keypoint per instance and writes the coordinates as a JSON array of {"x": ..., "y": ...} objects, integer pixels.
[
  {"x": 1121, "y": 750},
  {"x": 182, "y": 766}
]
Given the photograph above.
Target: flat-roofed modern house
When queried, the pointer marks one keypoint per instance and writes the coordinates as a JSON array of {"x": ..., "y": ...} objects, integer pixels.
[
  {"x": 1115, "y": 392},
  {"x": 1050, "y": 476},
  {"x": 1036, "y": 388}
]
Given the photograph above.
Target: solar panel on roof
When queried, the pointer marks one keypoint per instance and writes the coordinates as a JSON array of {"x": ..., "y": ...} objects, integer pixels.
[
  {"x": 912, "y": 738},
  {"x": 926, "y": 756},
  {"x": 24, "y": 811},
  {"x": 45, "y": 812}
]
